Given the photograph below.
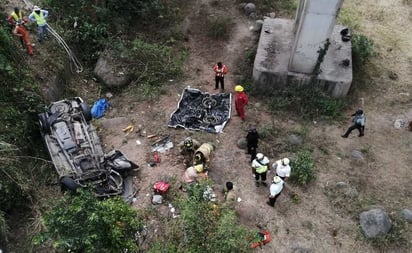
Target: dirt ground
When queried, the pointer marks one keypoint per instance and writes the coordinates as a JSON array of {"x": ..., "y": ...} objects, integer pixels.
[{"x": 315, "y": 223}]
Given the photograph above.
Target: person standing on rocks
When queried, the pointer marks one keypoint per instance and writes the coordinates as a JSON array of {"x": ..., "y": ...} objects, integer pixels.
[
  {"x": 252, "y": 139},
  {"x": 358, "y": 120},
  {"x": 220, "y": 71},
  {"x": 241, "y": 101},
  {"x": 275, "y": 190},
  {"x": 260, "y": 169}
]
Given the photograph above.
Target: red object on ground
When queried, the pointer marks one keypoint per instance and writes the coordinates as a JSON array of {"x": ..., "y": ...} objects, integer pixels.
[
  {"x": 265, "y": 238},
  {"x": 156, "y": 157},
  {"x": 161, "y": 187}
]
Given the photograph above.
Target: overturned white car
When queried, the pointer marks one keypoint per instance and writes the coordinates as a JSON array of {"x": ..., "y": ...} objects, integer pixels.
[{"x": 77, "y": 154}]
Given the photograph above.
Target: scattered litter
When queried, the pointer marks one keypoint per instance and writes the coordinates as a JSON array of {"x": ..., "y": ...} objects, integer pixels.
[
  {"x": 109, "y": 95},
  {"x": 239, "y": 199},
  {"x": 138, "y": 142},
  {"x": 134, "y": 200},
  {"x": 156, "y": 157},
  {"x": 151, "y": 136},
  {"x": 157, "y": 199},
  {"x": 399, "y": 123},
  {"x": 162, "y": 145}
]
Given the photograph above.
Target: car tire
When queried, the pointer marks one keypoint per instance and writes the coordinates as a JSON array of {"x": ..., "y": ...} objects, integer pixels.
[
  {"x": 87, "y": 113},
  {"x": 67, "y": 183},
  {"x": 44, "y": 122}
]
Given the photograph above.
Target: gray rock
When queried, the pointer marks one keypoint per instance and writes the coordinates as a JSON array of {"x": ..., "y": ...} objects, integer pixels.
[
  {"x": 351, "y": 192},
  {"x": 104, "y": 71},
  {"x": 249, "y": 8},
  {"x": 406, "y": 214},
  {"x": 357, "y": 154},
  {"x": 294, "y": 139},
  {"x": 341, "y": 185},
  {"x": 242, "y": 143},
  {"x": 375, "y": 222}
]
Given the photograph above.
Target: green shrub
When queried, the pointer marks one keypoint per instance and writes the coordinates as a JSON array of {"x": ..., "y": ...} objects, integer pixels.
[
  {"x": 362, "y": 49},
  {"x": 82, "y": 223},
  {"x": 219, "y": 28},
  {"x": 203, "y": 226},
  {"x": 309, "y": 101},
  {"x": 302, "y": 168}
]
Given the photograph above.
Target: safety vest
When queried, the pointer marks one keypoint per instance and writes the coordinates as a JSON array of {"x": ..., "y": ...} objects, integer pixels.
[
  {"x": 17, "y": 16},
  {"x": 39, "y": 18},
  {"x": 262, "y": 169}
]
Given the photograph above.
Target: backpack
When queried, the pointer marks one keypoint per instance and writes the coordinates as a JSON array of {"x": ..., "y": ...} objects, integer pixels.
[{"x": 360, "y": 120}]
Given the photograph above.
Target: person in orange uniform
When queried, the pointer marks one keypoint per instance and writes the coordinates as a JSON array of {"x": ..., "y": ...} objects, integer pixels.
[
  {"x": 21, "y": 32},
  {"x": 15, "y": 16},
  {"x": 241, "y": 100},
  {"x": 220, "y": 72}
]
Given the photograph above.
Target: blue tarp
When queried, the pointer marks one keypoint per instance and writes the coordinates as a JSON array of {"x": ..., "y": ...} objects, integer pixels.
[{"x": 99, "y": 108}]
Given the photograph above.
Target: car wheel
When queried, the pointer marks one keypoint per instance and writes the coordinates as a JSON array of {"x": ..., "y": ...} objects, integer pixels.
[
  {"x": 87, "y": 113},
  {"x": 44, "y": 123},
  {"x": 60, "y": 108},
  {"x": 69, "y": 184}
]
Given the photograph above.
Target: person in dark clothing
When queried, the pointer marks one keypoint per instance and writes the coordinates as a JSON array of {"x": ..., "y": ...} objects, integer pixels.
[
  {"x": 252, "y": 139},
  {"x": 358, "y": 120}
]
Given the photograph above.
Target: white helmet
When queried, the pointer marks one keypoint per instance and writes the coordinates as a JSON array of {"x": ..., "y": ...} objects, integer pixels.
[
  {"x": 259, "y": 156},
  {"x": 285, "y": 161},
  {"x": 276, "y": 179}
]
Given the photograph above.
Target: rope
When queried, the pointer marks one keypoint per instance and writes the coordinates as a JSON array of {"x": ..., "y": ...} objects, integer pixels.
[{"x": 74, "y": 62}]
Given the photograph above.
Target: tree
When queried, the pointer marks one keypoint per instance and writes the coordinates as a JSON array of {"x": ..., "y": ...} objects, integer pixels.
[{"x": 82, "y": 223}]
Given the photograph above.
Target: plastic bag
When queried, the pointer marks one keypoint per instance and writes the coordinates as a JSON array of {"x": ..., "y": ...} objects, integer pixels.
[{"x": 99, "y": 108}]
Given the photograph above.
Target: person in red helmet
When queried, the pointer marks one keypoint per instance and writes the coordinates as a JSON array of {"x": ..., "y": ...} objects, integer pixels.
[
  {"x": 241, "y": 100},
  {"x": 21, "y": 32}
]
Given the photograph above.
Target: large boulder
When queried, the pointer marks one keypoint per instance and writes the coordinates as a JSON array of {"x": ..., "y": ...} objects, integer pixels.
[
  {"x": 375, "y": 222},
  {"x": 108, "y": 72}
]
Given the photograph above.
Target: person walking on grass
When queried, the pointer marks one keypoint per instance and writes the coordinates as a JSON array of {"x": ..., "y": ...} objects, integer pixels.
[
  {"x": 275, "y": 190},
  {"x": 39, "y": 16},
  {"x": 359, "y": 121},
  {"x": 260, "y": 168},
  {"x": 241, "y": 101},
  {"x": 220, "y": 71}
]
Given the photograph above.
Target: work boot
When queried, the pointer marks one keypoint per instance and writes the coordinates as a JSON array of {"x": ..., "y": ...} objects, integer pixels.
[
  {"x": 269, "y": 204},
  {"x": 344, "y": 136},
  {"x": 257, "y": 184},
  {"x": 360, "y": 135},
  {"x": 264, "y": 184}
]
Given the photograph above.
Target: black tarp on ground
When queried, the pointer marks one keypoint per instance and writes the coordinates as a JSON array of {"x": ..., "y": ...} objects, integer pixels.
[{"x": 199, "y": 110}]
